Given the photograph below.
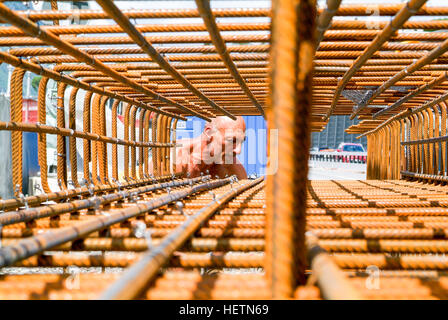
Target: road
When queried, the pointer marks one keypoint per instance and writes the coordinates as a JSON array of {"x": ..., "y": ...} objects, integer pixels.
[{"x": 321, "y": 170}]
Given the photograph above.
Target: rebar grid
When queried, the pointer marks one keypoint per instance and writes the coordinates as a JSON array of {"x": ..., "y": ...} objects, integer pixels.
[
  {"x": 343, "y": 42},
  {"x": 198, "y": 231}
]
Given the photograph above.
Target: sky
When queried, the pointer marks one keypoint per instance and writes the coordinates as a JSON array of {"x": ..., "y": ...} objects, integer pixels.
[
  {"x": 242, "y": 3},
  {"x": 177, "y": 4},
  {"x": 182, "y": 4}
]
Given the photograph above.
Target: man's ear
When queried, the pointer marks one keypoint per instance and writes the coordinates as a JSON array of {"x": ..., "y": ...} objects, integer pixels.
[{"x": 207, "y": 132}]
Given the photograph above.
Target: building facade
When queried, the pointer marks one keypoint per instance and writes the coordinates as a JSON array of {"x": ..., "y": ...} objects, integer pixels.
[{"x": 334, "y": 133}]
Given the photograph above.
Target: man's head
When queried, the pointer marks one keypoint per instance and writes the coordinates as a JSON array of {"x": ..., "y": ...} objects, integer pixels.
[{"x": 225, "y": 137}]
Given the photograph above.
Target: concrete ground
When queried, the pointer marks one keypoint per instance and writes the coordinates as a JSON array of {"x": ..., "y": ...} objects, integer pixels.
[
  {"x": 322, "y": 170},
  {"x": 319, "y": 170}
]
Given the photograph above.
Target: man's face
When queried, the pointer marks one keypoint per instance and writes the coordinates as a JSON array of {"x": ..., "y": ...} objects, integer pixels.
[
  {"x": 231, "y": 141},
  {"x": 225, "y": 141}
]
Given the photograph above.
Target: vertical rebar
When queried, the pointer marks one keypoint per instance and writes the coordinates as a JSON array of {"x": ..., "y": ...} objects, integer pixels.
[{"x": 292, "y": 56}]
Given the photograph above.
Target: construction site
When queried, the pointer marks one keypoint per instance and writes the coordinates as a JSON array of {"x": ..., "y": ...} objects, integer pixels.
[{"x": 102, "y": 101}]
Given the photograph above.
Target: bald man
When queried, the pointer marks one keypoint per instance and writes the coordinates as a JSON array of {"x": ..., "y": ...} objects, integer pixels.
[{"x": 215, "y": 150}]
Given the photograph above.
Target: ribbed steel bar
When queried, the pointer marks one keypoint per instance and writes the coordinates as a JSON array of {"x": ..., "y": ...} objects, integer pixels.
[
  {"x": 41, "y": 128},
  {"x": 325, "y": 19},
  {"x": 291, "y": 73},
  {"x": 90, "y": 29},
  {"x": 139, "y": 245},
  {"x": 425, "y": 141},
  {"x": 162, "y": 39},
  {"x": 42, "y": 142},
  {"x": 332, "y": 281},
  {"x": 16, "y": 137},
  {"x": 173, "y": 49}
]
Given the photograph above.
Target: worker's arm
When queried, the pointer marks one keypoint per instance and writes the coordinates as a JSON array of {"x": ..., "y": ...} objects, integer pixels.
[
  {"x": 239, "y": 171},
  {"x": 233, "y": 169}
]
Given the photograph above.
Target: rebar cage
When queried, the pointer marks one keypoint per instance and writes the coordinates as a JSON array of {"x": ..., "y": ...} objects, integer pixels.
[{"x": 159, "y": 234}]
